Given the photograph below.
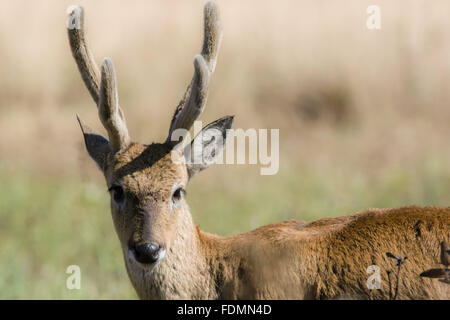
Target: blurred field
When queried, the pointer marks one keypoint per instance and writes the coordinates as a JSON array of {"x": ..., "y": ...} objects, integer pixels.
[{"x": 363, "y": 118}]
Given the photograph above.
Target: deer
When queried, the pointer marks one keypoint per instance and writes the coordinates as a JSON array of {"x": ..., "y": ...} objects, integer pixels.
[{"x": 167, "y": 256}]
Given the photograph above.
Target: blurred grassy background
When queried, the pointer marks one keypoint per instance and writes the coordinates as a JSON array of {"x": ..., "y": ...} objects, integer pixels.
[{"x": 363, "y": 118}]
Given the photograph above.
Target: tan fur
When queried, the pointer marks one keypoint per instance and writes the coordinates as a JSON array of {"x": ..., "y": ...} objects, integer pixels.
[{"x": 325, "y": 259}]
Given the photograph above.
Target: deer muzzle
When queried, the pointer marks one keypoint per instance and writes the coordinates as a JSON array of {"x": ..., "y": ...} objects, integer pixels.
[{"x": 147, "y": 252}]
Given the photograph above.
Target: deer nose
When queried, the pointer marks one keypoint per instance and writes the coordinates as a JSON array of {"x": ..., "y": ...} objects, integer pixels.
[{"x": 147, "y": 252}]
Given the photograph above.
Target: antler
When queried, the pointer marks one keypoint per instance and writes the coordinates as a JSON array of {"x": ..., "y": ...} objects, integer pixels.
[
  {"x": 194, "y": 100},
  {"x": 103, "y": 90}
]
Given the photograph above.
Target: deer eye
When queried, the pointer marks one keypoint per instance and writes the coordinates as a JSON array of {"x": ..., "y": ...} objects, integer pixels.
[
  {"x": 117, "y": 193},
  {"x": 177, "y": 195}
]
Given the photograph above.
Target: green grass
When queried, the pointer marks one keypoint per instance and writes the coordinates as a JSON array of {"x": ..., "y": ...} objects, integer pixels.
[{"x": 47, "y": 224}]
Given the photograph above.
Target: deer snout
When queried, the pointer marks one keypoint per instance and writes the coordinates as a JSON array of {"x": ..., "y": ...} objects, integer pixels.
[{"x": 147, "y": 252}]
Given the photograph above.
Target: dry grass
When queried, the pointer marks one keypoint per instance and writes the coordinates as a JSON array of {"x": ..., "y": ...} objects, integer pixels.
[
  {"x": 277, "y": 60},
  {"x": 363, "y": 115}
]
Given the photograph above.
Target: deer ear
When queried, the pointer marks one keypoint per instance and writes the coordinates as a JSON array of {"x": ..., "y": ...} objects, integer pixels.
[
  {"x": 97, "y": 146},
  {"x": 207, "y": 146}
]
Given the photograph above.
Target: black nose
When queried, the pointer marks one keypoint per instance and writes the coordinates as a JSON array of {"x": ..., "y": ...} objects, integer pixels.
[{"x": 147, "y": 252}]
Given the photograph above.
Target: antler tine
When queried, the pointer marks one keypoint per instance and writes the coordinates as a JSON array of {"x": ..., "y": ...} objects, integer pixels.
[
  {"x": 108, "y": 108},
  {"x": 83, "y": 57},
  {"x": 193, "y": 102},
  {"x": 212, "y": 35},
  {"x": 104, "y": 91}
]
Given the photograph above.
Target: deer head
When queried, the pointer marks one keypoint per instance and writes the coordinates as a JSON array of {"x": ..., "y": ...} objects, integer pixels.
[{"x": 147, "y": 182}]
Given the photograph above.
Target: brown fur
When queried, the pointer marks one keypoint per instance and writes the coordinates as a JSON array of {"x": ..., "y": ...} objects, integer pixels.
[{"x": 325, "y": 259}]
